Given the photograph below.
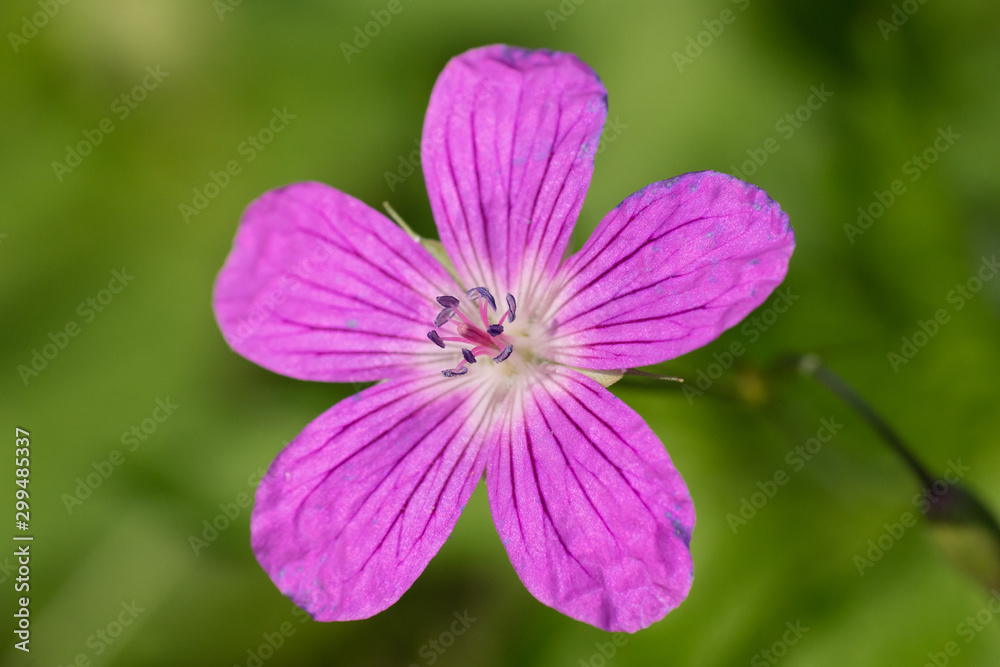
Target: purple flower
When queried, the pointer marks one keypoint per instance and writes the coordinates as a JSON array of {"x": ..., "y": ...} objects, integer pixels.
[{"x": 487, "y": 361}]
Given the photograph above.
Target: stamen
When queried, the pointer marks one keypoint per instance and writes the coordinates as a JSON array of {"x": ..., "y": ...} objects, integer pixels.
[
  {"x": 483, "y": 292},
  {"x": 461, "y": 316},
  {"x": 473, "y": 338},
  {"x": 444, "y": 316},
  {"x": 448, "y": 301},
  {"x": 435, "y": 338}
]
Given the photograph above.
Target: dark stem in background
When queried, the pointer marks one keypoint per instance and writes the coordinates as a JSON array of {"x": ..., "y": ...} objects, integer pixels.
[
  {"x": 811, "y": 364},
  {"x": 963, "y": 526}
]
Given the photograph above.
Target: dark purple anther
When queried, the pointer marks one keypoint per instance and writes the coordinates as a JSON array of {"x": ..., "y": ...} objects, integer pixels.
[
  {"x": 483, "y": 292},
  {"x": 444, "y": 316},
  {"x": 467, "y": 354},
  {"x": 512, "y": 306},
  {"x": 448, "y": 301},
  {"x": 503, "y": 355},
  {"x": 435, "y": 338},
  {"x": 452, "y": 373},
  {"x": 494, "y": 329}
]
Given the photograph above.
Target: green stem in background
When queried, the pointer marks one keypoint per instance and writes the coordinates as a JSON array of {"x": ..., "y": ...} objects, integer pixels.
[
  {"x": 812, "y": 365},
  {"x": 960, "y": 524}
]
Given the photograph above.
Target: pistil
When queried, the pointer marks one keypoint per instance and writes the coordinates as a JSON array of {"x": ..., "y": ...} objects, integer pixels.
[{"x": 475, "y": 338}]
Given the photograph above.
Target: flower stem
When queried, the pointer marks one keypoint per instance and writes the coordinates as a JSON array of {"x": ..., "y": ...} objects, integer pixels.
[
  {"x": 959, "y": 523},
  {"x": 812, "y": 365}
]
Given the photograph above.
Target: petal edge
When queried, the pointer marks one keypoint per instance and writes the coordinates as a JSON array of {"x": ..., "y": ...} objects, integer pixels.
[
  {"x": 594, "y": 516},
  {"x": 667, "y": 271},
  {"x": 319, "y": 286},
  {"x": 508, "y": 150},
  {"x": 351, "y": 512}
]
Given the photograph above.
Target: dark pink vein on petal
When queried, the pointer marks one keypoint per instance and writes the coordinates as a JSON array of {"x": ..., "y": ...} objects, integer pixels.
[
  {"x": 610, "y": 429},
  {"x": 569, "y": 465},
  {"x": 545, "y": 506}
]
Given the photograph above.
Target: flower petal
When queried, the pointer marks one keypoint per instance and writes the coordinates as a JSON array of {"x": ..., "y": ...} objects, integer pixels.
[
  {"x": 667, "y": 271},
  {"x": 594, "y": 516},
  {"x": 351, "y": 512},
  {"x": 508, "y": 151},
  {"x": 319, "y": 286}
]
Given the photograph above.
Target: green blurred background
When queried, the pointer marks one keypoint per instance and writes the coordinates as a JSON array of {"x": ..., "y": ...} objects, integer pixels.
[{"x": 224, "y": 67}]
